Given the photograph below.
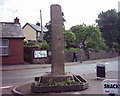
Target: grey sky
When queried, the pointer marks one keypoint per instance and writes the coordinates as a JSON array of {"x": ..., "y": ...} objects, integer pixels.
[{"x": 75, "y": 11}]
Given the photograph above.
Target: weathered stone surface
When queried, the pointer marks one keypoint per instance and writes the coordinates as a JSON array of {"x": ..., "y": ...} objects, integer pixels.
[
  {"x": 57, "y": 40},
  {"x": 58, "y": 74},
  {"x": 46, "y": 78}
]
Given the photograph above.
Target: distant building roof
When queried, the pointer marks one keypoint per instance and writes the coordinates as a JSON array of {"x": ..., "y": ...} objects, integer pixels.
[
  {"x": 10, "y": 30},
  {"x": 36, "y": 27}
]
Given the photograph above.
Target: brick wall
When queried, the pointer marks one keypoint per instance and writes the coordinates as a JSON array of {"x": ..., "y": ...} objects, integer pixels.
[{"x": 16, "y": 52}]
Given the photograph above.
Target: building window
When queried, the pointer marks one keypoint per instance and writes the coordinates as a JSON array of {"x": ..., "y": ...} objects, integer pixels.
[
  {"x": 38, "y": 35},
  {"x": 4, "y": 47}
]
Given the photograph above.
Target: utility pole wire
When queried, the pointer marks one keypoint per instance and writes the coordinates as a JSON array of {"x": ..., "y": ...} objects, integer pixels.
[{"x": 13, "y": 11}]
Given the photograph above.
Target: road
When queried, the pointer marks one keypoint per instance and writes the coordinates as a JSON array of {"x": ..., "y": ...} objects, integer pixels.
[{"x": 12, "y": 78}]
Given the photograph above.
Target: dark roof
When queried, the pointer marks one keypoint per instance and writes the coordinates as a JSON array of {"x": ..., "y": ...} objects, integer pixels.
[
  {"x": 36, "y": 27},
  {"x": 10, "y": 30}
]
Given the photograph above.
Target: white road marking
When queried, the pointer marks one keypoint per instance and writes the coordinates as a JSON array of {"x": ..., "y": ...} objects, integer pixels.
[
  {"x": 5, "y": 87},
  {"x": 106, "y": 63}
]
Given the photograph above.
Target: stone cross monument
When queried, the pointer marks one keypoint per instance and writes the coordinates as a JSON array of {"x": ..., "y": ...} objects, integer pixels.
[
  {"x": 58, "y": 74},
  {"x": 57, "y": 67},
  {"x": 57, "y": 41}
]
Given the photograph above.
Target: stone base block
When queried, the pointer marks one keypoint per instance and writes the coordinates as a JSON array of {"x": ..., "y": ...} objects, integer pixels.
[{"x": 48, "y": 78}]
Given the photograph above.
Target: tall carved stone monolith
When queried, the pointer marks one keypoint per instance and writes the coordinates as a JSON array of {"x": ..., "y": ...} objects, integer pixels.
[
  {"x": 57, "y": 74},
  {"x": 57, "y": 41}
]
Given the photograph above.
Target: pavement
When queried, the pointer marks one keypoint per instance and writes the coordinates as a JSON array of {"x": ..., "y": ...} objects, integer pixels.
[{"x": 95, "y": 85}]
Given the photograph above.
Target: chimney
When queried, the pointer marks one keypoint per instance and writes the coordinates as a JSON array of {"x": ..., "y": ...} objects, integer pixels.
[
  {"x": 38, "y": 23},
  {"x": 16, "y": 21}
]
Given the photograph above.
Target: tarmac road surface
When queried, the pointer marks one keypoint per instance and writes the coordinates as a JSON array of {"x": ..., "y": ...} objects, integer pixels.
[{"x": 13, "y": 77}]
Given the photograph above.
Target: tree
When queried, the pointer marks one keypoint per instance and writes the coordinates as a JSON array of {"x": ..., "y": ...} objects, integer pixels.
[
  {"x": 117, "y": 44},
  {"x": 69, "y": 38},
  {"x": 47, "y": 36},
  {"x": 95, "y": 39},
  {"x": 118, "y": 28},
  {"x": 108, "y": 23},
  {"x": 78, "y": 30},
  {"x": 89, "y": 36}
]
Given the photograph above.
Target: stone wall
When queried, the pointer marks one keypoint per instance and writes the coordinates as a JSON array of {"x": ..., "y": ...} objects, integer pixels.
[
  {"x": 102, "y": 54},
  {"x": 29, "y": 56},
  {"x": 69, "y": 55},
  {"x": 91, "y": 55}
]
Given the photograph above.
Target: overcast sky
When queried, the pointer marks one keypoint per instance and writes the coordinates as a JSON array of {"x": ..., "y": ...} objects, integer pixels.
[{"x": 75, "y": 11}]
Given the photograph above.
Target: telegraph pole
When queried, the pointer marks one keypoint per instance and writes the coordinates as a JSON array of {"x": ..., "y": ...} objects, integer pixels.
[{"x": 41, "y": 37}]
